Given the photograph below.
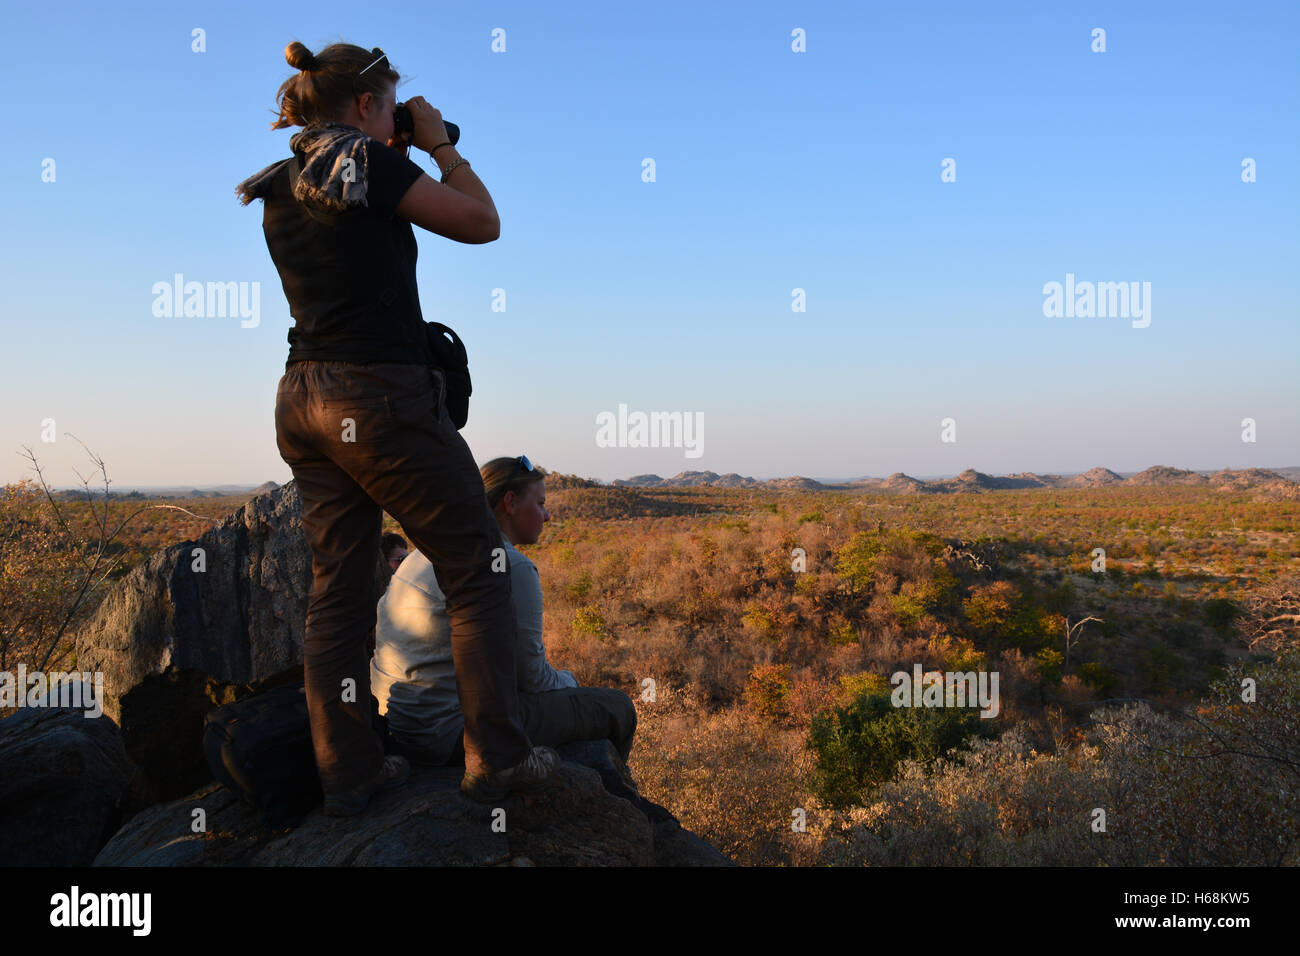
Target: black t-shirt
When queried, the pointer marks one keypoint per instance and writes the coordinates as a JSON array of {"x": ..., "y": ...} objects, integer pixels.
[
  {"x": 390, "y": 175},
  {"x": 349, "y": 277}
]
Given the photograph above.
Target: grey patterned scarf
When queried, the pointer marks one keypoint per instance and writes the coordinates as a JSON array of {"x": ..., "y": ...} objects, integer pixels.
[{"x": 327, "y": 178}]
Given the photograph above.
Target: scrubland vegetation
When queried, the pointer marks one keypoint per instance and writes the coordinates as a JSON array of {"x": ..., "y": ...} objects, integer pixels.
[
  {"x": 771, "y": 708},
  {"x": 757, "y": 632}
]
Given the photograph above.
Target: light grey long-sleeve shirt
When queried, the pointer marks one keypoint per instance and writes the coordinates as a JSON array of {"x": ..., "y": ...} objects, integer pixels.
[{"x": 411, "y": 674}]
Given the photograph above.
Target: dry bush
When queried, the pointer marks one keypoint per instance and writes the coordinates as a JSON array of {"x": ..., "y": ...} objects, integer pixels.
[
  {"x": 959, "y": 815},
  {"x": 42, "y": 564},
  {"x": 811, "y": 688},
  {"x": 653, "y": 651},
  {"x": 729, "y": 776},
  {"x": 55, "y": 558},
  {"x": 767, "y": 692},
  {"x": 1213, "y": 787},
  {"x": 1270, "y": 617}
]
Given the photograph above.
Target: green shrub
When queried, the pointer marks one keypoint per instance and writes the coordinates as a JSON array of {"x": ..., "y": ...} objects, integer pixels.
[
  {"x": 590, "y": 620},
  {"x": 859, "y": 746},
  {"x": 1100, "y": 677},
  {"x": 768, "y": 690},
  {"x": 1049, "y": 665},
  {"x": 806, "y": 585},
  {"x": 909, "y": 605},
  {"x": 843, "y": 634},
  {"x": 864, "y": 684},
  {"x": 761, "y": 619},
  {"x": 580, "y": 586},
  {"x": 856, "y": 560},
  {"x": 967, "y": 658},
  {"x": 1220, "y": 612},
  {"x": 1034, "y": 629},
  {"x": 990, "y": 608},
  {"x": 1159, "y": 667},
  {"x": 1060, "y": 598}
]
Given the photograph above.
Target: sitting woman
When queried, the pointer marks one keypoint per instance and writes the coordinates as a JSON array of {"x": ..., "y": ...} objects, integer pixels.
[{"x": 411, "y": 673}]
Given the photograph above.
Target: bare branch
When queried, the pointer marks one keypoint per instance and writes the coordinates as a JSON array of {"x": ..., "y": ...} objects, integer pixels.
[
  {"x": 1069, "y": 643},
  {"x": 49, "y": 496},
  {"x": 191, "y": 513}
]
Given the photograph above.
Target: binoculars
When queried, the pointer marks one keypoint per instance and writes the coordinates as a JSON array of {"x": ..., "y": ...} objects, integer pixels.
[{"x": 403, "y": 122}]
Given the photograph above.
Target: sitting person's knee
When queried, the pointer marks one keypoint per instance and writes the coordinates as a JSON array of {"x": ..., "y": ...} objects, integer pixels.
[{"x": 622, "y": 707}]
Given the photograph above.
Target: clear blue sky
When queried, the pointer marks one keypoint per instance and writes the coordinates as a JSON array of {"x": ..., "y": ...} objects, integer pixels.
[{"x": 776, "y": 170}]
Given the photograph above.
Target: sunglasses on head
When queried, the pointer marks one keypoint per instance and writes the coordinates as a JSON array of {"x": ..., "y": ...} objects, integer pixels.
[
  {"x": 524, "y": 463},
  {"x": 382, "y": 56}
]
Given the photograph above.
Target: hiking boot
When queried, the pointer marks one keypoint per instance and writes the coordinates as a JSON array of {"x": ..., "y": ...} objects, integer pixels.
[
  {"x": 392, "y": 773},
  {"x": 536, "y": 774}
]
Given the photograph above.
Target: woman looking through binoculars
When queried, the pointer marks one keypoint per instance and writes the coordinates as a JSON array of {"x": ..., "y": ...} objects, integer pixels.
[{"x": 361, "y": 416}]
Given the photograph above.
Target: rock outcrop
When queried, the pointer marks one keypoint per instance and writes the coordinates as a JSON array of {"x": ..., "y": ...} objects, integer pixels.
[
  {"x": 65, "y": 786},
  {"x": 1164, "y": 475},
  {"x": 425, "y": 822},
  {"x": 795, "y": 483},
  {"x": 1093, "y": 478},
  {"x": 1263, "y": 484},
  {"x": 200, "y": 624},
  {"x": 903, "y": 484}
]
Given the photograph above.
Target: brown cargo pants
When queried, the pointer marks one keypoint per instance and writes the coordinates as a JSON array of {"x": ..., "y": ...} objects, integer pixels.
[{"x": 361, "y": 438}]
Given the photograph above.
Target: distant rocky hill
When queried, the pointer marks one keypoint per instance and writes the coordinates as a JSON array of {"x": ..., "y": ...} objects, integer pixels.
[
  {"x": 1093, "y": 478},
  {"x": 1270, "y": 483},
  {"x": 1258, "y": 480},
  {"x": 972, "y": 480},
  {"x": 798, "y": 483},
  {"x": 696, "y": 479},
  {"x": 1164, "y": 475},
  {"x": 558, "y": 482},
  {"x": 904, "y": 484}
]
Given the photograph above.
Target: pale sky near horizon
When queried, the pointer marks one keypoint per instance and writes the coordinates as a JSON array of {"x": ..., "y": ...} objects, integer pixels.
[{"x": 775, "y": 170}]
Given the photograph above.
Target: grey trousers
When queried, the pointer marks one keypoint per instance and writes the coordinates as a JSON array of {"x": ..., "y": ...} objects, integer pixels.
[{"x": 557, "y": 717}]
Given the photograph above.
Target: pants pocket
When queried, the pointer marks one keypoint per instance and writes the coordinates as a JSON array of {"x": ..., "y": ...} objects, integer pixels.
[{"x": 361, "y": 421}]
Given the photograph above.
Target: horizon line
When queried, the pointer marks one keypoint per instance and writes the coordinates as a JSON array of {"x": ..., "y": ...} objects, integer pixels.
[{"x": 233, "y": 487}]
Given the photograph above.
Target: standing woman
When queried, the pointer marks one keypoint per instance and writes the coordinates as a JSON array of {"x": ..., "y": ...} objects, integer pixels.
[{"x": 360, "y": 416}]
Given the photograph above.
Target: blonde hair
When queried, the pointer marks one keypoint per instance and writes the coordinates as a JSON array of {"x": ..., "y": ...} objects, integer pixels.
[
  {"x": 507, "y": 474},
  {"x": 327, "y": 81}
]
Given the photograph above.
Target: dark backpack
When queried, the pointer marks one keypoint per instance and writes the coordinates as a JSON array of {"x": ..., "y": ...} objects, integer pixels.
[
  {"x": 447, "y": 353},
  {"x": 260, "y": 749}
]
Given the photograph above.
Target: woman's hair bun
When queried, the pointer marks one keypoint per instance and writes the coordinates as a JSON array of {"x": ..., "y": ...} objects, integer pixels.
[{"x": 299, "y": 57}]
